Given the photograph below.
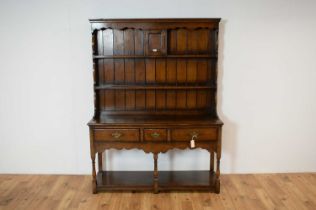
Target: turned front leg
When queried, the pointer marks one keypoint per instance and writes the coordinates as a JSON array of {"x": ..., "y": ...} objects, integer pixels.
[
  {"x": 100, "y": 161},
  {"x": 217, "y": 180},
  {"x": 94, "y": 176},
  {"x": 218, "y": 163},
  {"x": 92, "y": 154},
  {"x": 155, "y": 173},
  {"x": 212, "y": 162}
]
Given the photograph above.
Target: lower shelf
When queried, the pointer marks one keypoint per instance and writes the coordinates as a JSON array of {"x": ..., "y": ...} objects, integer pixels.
[{"x": 143, "y": 180}]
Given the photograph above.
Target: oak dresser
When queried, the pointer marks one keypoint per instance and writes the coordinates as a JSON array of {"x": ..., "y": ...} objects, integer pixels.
[{"x": 155, "y": 86}]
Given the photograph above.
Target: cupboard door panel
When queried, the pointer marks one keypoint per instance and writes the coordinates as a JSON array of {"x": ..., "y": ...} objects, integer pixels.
[{"x": 155, "y": 42}]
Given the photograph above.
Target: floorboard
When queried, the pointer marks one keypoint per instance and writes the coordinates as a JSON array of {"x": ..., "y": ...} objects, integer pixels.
[{"x": 249, "y": 191}]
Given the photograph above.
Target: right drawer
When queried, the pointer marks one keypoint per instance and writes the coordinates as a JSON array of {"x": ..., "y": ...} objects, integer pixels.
[{"x": 202, "y": 134}]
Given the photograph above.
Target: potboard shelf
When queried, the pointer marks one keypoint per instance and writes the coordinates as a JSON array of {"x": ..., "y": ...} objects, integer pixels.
[{"x": 144, "y": 180}]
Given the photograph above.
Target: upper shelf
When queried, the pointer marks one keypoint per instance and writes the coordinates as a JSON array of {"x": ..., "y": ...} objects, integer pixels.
[
  {"x": 153, "y": 87},
  {"x": 152, "y": 56}
]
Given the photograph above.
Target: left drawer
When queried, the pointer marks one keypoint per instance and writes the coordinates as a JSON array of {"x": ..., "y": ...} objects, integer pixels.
[{"x": 116, "y": 134}]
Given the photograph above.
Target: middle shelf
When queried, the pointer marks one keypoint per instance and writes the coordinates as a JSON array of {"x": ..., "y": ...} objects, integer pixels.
[
  {"x": 201, "y": 56},
  {"x": 152, "y": 87}
]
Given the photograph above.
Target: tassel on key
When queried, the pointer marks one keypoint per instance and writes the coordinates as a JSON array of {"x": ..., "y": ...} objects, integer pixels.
[{"x": 192, "y": 143}]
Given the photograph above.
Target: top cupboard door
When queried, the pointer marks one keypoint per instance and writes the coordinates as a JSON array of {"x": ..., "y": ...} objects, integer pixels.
[{"x": 155, "y": 42}]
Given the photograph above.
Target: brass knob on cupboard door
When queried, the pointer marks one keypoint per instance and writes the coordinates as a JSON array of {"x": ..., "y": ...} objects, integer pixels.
[{"x": 117, "y": 135}]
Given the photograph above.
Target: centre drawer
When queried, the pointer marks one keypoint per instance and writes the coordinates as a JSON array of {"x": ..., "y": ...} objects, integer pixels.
[
  {"x": 201, "y": 134},
  {"x": 155, "y": 134},
  {"x": 116, "y": 135}
]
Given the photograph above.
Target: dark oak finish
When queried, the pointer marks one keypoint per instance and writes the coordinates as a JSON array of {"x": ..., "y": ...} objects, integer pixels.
[{"x": 155, "y": 85}]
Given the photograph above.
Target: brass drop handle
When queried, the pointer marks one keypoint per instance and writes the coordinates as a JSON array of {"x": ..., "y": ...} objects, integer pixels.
[
  {"x": 117, "y": 135},
  {"x": 155, "y": 135},
  {"x": 194, "y": 136},
  {"x": 155, "y": 50}
]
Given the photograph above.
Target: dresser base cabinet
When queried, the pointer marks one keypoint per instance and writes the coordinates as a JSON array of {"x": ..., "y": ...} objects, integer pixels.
[{"x": 155, "y": 86}]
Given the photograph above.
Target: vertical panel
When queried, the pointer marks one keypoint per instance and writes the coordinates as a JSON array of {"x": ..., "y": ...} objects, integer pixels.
[
  {"x": 129, "y": 79},
  {"x": 181, "y": 99},
  {"x": 139, "y": 42},
  {"x": 150, "y": 99},
  {"x": 211, "y": 103},
  {"x": 140, "y": 99},
  {"x": 212, "y": 46},
  {"x": 129, "y": 42},
  {"x": 212, "y": 68},
  {"x": 109, "y": 99},
  {"x": 181, "y": 41},
  {"x": 160, "y": 70},
  {"x": 119, "y": 99},
  {"x": 193, "y": 40},
  {"x": 118, "y": 42},
  {"x": 150, "y": 71},
  {"x": 160, "y": 78},
  {"x": 140, "y": 96},
  {"x": 101, "y": 95},
  {"x": 171, "y": 74},
  {"x": 108, "y": 70},
  {"x": 119, "y": 79},
  {"x": 99, "y": 73},
  {"x": 160, "y": 99},
  {"x": 100, "y": 42},
  {"x": 191, "y": 99},
  {"x": 129, "y": 71},
  {"x": 107, "y": 42},
  {"x": 191, "y": 71},
  {"x": 202, "y": 71},
  {"x": 208, "y": 100},
  {"x": 181, "y": 71},
  {"x": 119, "y": 71},
  {"x": 172, "y": 41},
  {"x": 201, "y": 99},
  {"x": 130, "y": 99},
  {"x": 171, "y": 99},
  {"x": 140, "y": 71},
  {"x": 100, "y": 63},
  {"x": 100, "y": 76},
  {"x": 203, "y": 42}
]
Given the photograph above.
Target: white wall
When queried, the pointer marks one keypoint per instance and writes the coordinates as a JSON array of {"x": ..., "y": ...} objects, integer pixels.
[{"x": 267, "y": 93}]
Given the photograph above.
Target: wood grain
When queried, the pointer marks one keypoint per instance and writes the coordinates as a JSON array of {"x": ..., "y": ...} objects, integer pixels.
[{"x": 260, "y": 191}]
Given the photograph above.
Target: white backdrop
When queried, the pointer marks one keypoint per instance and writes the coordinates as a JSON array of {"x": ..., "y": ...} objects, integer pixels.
[{"x": 267, "y": 77}]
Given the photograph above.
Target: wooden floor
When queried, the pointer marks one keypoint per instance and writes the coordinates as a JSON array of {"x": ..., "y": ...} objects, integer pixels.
[{"x": 271, "y": 191}]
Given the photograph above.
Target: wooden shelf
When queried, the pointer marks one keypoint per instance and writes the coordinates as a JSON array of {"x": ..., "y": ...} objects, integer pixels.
[
  {"x": 167, "y": 180},
  {"x": 156, "y": 56},
  {"x": 152, "y": 87}
]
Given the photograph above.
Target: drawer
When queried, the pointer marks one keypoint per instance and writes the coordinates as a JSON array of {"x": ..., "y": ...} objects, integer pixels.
[
  {"x": 116, "y": 135},
  {"x": 202, "y": 134},
  {"x": 155, "y": 134},
  {"x": 155, "y": 42}
]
